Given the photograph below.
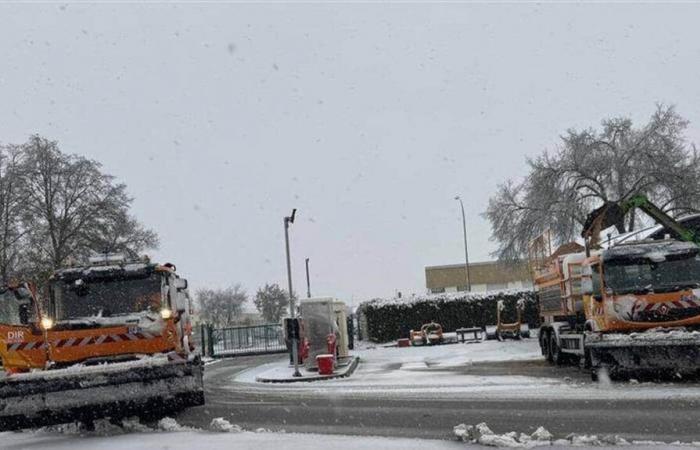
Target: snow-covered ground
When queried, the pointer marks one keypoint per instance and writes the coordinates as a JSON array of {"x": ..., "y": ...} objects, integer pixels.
[
  {"x": 188, "y": 440},
  {"x": 443, "y": 371},
  {"x": 224, "y": 435}
]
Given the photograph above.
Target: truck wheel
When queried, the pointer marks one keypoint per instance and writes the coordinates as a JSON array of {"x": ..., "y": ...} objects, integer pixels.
[
  {"x": 557, "y": 357},
  {"x": 585, "y": 361},
  {"x": 544, "y": 345}
]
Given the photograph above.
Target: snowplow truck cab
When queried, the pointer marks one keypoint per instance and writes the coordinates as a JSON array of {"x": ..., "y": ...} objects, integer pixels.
[
  {"x": 116, "y": 338},
  {"x": 105, "y": 313},
  {"x": 643, "y": 304}
]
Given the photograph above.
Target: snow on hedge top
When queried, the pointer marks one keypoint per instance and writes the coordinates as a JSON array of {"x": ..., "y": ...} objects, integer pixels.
[{"x": 460, "y": 296}]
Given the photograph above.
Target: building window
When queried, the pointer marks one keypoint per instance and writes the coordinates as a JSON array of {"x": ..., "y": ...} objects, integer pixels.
[{"x": 437, "y": 290}]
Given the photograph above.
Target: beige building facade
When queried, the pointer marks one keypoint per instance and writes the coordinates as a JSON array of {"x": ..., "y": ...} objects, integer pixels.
[{"x": 484, "y": 276}]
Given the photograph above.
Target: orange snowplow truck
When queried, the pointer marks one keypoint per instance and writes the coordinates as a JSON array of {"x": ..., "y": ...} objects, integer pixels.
[
  {"x": 124, "y": 327},
  {"x": 627, "y": 308}
]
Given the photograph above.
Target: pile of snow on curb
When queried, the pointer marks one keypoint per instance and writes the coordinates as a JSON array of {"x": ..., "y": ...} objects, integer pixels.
[
  {"x": 482, "y": 434},
  {"x": 224, "y": 426}
]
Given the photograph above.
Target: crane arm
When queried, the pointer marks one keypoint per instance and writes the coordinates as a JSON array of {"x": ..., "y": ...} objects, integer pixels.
[
  {"x": 613, "y": 213},
  {"x": 660, "y": 217}
]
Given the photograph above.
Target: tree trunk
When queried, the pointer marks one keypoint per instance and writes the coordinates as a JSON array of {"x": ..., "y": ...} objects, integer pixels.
[{"x": 633, "y": 214}]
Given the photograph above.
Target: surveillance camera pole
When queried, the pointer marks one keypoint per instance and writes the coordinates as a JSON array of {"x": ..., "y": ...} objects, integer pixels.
[{"x": 292, "y": 312}]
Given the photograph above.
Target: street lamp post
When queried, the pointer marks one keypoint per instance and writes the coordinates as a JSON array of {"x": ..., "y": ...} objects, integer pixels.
[
  {"x": 466, "y": 251},
  {"x": 308, "y": 280},
  {"x": 292, "y": 312}
]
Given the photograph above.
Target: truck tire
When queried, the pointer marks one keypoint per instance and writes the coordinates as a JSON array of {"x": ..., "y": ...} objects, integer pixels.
[
  {"x": 557, "y": 357},
  {"x": 544, "y": 345}
]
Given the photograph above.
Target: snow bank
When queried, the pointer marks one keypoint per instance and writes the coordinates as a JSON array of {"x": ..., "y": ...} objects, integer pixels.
[
  {"x": 223, "y": 425},
  {"x": 170, "y": 424},
  {"x": 481, "y": 434}
]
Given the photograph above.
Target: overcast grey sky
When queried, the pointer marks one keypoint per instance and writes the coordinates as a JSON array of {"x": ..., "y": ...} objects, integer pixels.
[{"x": 367, "y": 118}]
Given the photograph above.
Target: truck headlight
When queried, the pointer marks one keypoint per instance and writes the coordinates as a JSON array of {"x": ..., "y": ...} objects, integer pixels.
[
  {"x": 46, "y": 323},
  {"x": 165, "y": 313}
]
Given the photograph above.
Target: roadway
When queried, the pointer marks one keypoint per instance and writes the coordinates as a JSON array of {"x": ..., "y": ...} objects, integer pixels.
[{"x": 311, "y": 410}]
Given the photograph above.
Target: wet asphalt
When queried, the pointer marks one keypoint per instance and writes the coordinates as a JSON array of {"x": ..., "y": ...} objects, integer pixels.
[{"x": 265, "y": 406}]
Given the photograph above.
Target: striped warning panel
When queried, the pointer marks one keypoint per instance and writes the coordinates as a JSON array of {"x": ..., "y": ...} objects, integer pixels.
[
  {"x": 103, "y": 339},
  {"x": 684, "y": 302},
  {"x": 32, "y": 345},
  {"x": 81, "y": 342}
]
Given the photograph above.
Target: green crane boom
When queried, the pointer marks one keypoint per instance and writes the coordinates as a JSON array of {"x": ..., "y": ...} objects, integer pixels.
[{"x": 613, "y": 213}]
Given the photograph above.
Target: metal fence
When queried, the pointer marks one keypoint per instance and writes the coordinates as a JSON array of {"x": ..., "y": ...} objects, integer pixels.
[{"x": 246, "y": 340}]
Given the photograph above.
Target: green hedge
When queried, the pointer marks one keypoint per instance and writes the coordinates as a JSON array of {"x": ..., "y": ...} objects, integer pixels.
[{"x": 392, "y": 319}]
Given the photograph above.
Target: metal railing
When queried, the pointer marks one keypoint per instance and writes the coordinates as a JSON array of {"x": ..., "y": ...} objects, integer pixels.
[{"x": 244, "y": 340}]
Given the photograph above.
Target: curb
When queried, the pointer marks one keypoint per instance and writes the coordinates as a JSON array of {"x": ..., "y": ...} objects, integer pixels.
[{"x": 346, "y": 372}]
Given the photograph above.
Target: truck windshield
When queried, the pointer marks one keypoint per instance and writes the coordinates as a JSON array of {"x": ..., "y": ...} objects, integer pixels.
[
  {"x": 646, "y": 275},
  {"x": 106, "y": 298},
  {"x": 16, "y": 307}
]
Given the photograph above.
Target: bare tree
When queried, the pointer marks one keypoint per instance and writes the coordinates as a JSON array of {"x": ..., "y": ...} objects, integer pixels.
[
  {"x": 221, "y": 307},
  {"x": 13, "y": 211},
  {"x": 116, "y": 231},
  {"x": 271, "y": 301},
  {"x": 76, "y": 209},
  {"x": 592, "y": 167}
]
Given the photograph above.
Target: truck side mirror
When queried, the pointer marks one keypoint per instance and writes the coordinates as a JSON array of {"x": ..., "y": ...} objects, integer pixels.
[
  {"x": 180, "y": 284},
  {"x": 586, "y": 280},
  {"x": 23, "y": 314}
]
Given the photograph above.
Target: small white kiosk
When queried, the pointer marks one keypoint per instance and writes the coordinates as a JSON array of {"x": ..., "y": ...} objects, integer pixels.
[{"x": 322, "y": 317}]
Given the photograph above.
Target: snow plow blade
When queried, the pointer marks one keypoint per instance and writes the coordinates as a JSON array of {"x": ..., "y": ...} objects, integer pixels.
[
  {"x": 111, "y": 390},
  {"x": 675, "y": 352}
]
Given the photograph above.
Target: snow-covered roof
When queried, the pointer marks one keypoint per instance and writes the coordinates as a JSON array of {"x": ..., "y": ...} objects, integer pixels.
[
  {"x": 88, "y": 272},
  {"x": 641, "y": 234},
  {"x": 650, "y": 249}
]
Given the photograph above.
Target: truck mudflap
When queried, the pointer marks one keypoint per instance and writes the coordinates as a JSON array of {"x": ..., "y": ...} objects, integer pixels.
[
  {"x": 622, "y": 355},
  {"x": 150, "y": 387}
]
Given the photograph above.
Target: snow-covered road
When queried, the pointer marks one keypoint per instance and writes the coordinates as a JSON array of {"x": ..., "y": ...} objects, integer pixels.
[
  {"x": 452, "y": 371},
  {"x": 423, "y": 392}
]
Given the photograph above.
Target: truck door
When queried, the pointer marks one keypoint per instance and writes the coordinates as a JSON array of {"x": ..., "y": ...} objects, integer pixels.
[{"x": 21, "y": 339}]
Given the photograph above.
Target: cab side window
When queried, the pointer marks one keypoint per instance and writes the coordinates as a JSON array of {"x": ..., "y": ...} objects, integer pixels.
[{"x": 15, "y": 309}]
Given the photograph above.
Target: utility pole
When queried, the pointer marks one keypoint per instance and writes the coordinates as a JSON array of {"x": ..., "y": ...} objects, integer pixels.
[
  {"x": 308, "y": 280},
  {"x": 292, "y": 312},
  {"x": 466, "y": 251}
]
